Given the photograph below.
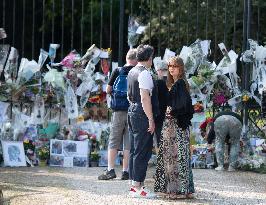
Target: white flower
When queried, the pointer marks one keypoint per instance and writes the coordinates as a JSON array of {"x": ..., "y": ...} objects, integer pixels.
[{"x": 256, "y": 164}]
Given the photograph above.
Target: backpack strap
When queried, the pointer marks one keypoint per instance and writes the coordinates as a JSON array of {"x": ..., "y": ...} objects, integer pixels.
[{"x": 121, "y": 73}]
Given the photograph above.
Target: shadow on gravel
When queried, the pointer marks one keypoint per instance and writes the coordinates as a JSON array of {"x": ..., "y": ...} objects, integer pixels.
[
  {"x": 227, "y": 196},
  {"x": 211, "y": 187},
  {"x": 7, "y": 200},
  {"x": 64, "y": 178}
]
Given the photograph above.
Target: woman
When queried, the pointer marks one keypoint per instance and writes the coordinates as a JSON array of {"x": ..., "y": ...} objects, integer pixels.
[{"x": 174, "y": 177}]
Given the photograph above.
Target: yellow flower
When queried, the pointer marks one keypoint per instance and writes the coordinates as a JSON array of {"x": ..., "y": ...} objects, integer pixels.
[
  {"x": 109, "y": 50},
  {"x": 245, "y": 98},
  {"x": 80, "y": 118}
]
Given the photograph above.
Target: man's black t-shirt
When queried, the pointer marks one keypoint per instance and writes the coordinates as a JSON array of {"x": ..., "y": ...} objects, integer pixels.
[{"x": 115, "y": 74}]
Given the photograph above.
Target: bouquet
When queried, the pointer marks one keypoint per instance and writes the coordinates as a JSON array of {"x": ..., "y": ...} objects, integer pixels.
[
  {"x": 198, "y": 107},
  {"x": 43, "y": 153},
  {"x": 29, "y": 147}
]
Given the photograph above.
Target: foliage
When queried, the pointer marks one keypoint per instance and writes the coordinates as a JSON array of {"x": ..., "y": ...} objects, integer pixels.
[
  {"x": 253, "y": 165},
  {"x": 261, "y": 169},
  {"x": 43, "y": 152},
  {"x": 198, "y": 80},
  {"x": 173, "y": 23},
  {"x": 29, "y": 147},
  {"x": 178, "y": 23},
  {"x": 221, "y": 93},
  {"x": 205, "y": 73},
  {"x": 94, "y": 156}
]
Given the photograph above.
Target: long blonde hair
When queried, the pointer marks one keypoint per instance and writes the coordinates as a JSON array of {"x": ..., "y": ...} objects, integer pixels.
[{"x": 176, "y": 60}]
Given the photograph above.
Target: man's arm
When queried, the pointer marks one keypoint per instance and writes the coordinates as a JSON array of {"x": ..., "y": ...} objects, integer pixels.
[
  {"x": 211, "y": 133},
  {"x": 147, "y": 107}
]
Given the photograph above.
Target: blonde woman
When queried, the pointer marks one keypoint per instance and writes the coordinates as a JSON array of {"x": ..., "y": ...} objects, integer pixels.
[{"x": 174, "y": 178}]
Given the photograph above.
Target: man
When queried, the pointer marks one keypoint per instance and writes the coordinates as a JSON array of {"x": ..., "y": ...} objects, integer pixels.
[
  {"x": 119, "y": 128},
  {"x": 161, "y": 69},
  {"x": 141, "y": 120},
  {"x": 225, "y": 128}
]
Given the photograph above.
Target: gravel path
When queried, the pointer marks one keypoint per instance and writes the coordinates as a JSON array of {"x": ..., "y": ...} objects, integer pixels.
[{"x": 79, "y": 186}]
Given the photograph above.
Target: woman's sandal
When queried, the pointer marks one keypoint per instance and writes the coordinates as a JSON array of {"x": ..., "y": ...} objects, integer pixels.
[
  {"x": 161, "y": 195},
  {"x": 175, "y": 196},
  {"x": 181, "y": 196},
  {"x": 190, "y": 196}
]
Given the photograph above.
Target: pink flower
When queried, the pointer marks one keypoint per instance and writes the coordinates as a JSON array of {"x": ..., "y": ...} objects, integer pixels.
[
  {"x": 93, "y": 137},
  {"x": 219, "y": 99}
]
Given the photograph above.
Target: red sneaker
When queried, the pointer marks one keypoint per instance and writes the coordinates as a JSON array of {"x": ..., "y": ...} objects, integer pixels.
[
  {"x": 142, "y": 193},
  {"x": 133, "y": 192}
]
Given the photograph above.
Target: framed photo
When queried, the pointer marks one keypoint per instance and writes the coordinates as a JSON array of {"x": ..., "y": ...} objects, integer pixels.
[
  {"x": 68, "y": 162},
  {"x": 80, "y": 161},
  {"x": 70, "y": 146},
  {"x": 75, "y": 148},
  {"x": 56, "y": 160},
  {"x": 56, "y": 147},
  {"x": 13, "y": 153},
  {"x": 69, "y": 153}
]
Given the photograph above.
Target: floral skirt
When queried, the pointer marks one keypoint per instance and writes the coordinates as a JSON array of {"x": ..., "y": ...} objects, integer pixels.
[{"x": 173, "y": 171}]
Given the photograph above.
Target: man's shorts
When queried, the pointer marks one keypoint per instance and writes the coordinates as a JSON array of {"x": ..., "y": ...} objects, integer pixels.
[{"x": 119, "y": 131}]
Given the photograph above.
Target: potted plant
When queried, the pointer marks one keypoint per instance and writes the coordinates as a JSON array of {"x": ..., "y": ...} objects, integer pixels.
[
  {"x": 94, "y": 159},
  {"x": 43, "y": 154}
]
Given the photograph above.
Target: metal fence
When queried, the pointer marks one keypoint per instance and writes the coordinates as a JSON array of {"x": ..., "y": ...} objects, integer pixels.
[
  {"x": 76, "y": 24},
  {"x": 33, "y": 24}
]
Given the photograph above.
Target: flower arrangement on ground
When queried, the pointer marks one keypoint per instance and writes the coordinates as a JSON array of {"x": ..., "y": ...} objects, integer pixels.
[
  {"x": 43, "y": 153},
  {"x": 29, "y": 148},
  {"x": 94, "y": 159},
  {"x": 94, "y": 156}
]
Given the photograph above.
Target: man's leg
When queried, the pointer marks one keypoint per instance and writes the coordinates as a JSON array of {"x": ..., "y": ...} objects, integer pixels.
[
  {"x": 125, "y": 171},
  {"x": 125, "y": 160},
  {"x": 221, "y": 130},
  {"x": 126, "y": 149},
  {"x": 143, "y": 142},
  {"x": 111, "y": 158},
  {"x": 122, "y": 132},
  {"x": 116, "y": 135},
  {"x": 235, "y": 133},
  {"x": 114, "y": 142},
  {"x": 131, "y": 152}
]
